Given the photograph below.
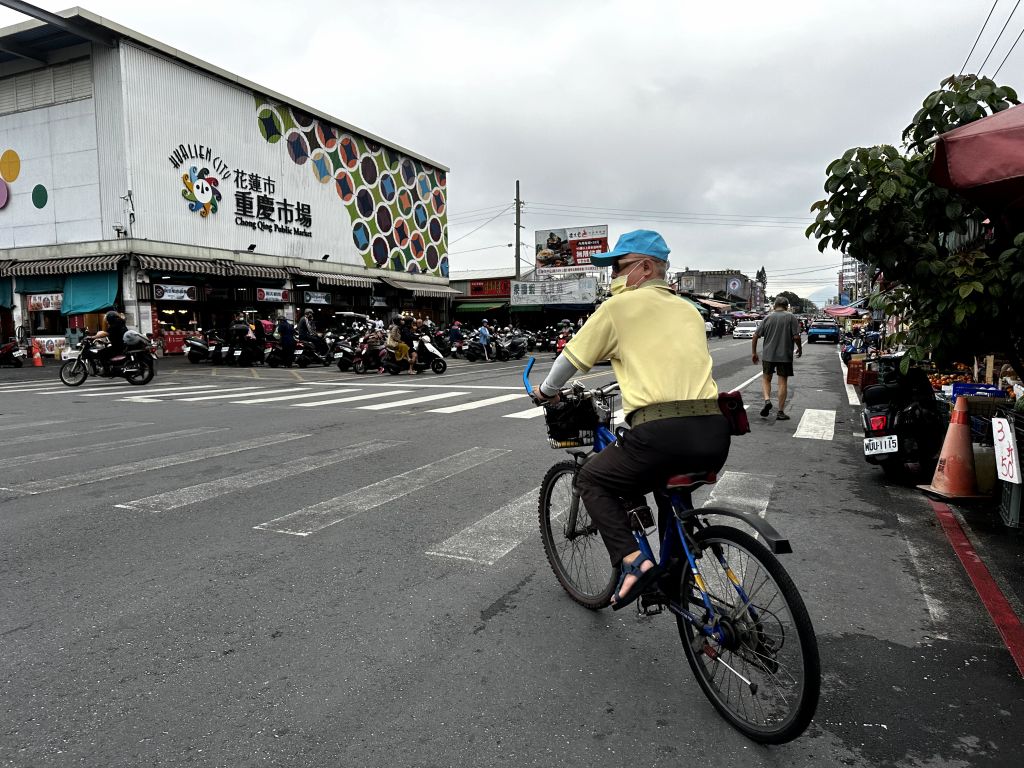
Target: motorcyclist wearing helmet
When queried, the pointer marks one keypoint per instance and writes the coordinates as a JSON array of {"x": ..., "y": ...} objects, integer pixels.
[{"x": 114, "y": 334}]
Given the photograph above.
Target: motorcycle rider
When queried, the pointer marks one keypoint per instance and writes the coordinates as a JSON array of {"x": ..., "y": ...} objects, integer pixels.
[
  {"x": 114, "y": 333},
  {"x": 408, "y": 334},
  {"x": 308, "y": 334},
  {"x": 286, "y": 333}
]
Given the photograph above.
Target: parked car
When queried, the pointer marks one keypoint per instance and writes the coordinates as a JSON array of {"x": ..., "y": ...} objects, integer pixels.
[
  {"x": 823, "y": 330},
  {"x": 744, "y": 329}
]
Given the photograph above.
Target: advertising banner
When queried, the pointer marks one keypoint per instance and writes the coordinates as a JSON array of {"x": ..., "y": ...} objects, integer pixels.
[
  {"x": 163, "y": 292},
  {"x": 500, "y": 287},
  {"x": 272, "y": 294},
  {"x": 572, "y": 247},
  {"x": 45, "y": 302},
  {"x": 316, "y": 297},
  {"x": 582, "y": 291}
]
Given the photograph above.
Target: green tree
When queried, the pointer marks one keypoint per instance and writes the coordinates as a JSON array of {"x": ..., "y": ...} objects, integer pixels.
[{"x": 959, "y": 290}]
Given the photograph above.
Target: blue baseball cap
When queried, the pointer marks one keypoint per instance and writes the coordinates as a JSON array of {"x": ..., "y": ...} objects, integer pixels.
[{"x": 645, "y": 242}]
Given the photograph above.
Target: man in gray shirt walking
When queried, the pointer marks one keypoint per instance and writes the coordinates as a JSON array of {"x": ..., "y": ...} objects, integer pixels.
[{"x": 780, "y": 331}]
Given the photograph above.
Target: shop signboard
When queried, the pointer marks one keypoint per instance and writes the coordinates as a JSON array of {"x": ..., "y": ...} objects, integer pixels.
[
  {"x": 571, "y": 247},
  {"x": 489, "y": 287},
  {"x": 164, "y": 292},
  {"x": 1004, "y": 439},
  {"x": 316, "y": 297},
  {"x": 272, "y": 294},
  {"x": 45, "y": 302},
  {"x": 582, "y": 291}
]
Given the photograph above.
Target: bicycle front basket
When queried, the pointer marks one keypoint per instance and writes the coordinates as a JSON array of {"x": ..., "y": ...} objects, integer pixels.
[{"x": 571, "y": 423}]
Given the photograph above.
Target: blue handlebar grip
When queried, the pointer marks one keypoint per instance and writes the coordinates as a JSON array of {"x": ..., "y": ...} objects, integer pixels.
[{"x": 526, "y": 375}]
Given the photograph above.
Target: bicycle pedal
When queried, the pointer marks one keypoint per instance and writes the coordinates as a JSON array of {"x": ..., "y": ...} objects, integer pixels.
[
  {"x": 650, "y": 604},
  {"x": 641, "y": 518}
]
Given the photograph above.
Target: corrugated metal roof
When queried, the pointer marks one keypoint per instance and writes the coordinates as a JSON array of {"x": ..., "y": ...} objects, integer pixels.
[
  {"x": 347, "y": 281},
  {"x": 61, "y": 266},
  {"x": 483, "y": 274},
  {"x": 183, "y": 266}
]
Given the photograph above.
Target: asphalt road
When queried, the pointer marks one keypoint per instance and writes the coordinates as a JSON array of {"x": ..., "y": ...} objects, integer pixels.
[{"x": 190, "y": 577}]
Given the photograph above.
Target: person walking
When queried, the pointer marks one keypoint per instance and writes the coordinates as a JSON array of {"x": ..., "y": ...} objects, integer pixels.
[
  {"x": 286, "y": 335},
  {"x": 485, "y": 339},
  {"x": 780, "y": 331}
]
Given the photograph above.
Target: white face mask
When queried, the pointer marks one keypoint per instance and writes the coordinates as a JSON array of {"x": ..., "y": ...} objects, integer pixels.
[{"x": 618, "y": 285}]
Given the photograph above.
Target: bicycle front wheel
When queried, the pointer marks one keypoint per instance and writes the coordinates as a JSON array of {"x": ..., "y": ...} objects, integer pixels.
[
  {"x": 764, "y": 676},
  {"x": 571, "y": 542}
]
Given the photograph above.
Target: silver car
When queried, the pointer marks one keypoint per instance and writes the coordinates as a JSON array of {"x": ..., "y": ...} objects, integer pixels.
[{"x": 744, "y": 329}]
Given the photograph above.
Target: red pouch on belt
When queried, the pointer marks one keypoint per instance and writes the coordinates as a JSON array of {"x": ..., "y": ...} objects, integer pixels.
[{"x": 731, "y": 404}]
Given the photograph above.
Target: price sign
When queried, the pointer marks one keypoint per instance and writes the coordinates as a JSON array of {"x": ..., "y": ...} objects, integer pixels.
[{"x": 1007, "y": 464}]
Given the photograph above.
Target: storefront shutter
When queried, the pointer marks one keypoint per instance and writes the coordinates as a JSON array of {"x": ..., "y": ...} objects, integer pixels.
[
  {"x": 90, "y": 292},
  {"x": 6, "y": 294},
  {"x": 40, "y": 284}
]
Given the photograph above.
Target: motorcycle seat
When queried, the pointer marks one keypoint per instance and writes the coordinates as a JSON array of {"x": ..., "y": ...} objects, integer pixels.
[
  {"x": 118, "y": 358},
  {"x": 691, "y": 480},
  {"x": 879, "y": 394}
]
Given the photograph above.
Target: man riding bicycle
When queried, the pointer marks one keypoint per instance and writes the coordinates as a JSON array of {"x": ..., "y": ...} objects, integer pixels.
[{"x": 669, "y": 398}]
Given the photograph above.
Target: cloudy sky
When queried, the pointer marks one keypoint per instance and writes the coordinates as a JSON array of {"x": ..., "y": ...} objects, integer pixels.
[{"x": 710, "y": 122}]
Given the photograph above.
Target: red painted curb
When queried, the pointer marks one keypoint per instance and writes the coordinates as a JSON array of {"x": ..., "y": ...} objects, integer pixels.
[{"x": 1006, "y": 621}]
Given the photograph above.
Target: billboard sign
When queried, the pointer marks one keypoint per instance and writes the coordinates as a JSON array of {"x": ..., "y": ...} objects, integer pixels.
[
  {"x": 582, "y": 291},
  {"x": 572, "y": 247}
]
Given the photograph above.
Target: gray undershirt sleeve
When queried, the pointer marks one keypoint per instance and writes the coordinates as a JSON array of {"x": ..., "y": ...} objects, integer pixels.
[{"x": 560, "y": 372}]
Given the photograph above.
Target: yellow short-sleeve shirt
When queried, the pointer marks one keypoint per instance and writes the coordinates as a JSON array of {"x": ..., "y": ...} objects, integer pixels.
[{"x": 657, "y": 345}]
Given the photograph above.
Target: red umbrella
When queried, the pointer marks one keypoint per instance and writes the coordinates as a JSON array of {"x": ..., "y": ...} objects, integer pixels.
[{"x": 984, "y": 161}]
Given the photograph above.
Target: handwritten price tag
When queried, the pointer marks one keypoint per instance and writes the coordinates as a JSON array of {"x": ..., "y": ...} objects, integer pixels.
[{"x": 1007, "y": 464}]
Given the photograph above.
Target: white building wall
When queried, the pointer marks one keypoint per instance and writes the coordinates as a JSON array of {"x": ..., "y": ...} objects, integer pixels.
[
  {"x": 57, "y": 153},
  {"x": 169, "y": 105}
]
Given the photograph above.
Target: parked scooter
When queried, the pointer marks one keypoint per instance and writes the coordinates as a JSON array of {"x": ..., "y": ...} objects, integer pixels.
[
  {"x": 306, "y": 354},
  {"x": 427, "y": 356},
  {"x": 903, "y": 426},
  {"x": 367, "y": 357},
  {"x": 343, "y": 352},
  {"x": 276, "y": 356},
  {"x": 11, "y": 354},
  {"x": 475, "y": 350},
  {"x": 208, "y": 348}
]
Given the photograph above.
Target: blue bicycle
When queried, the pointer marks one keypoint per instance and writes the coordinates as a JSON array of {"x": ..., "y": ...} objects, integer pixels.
[{"x": 744, "y": 628}]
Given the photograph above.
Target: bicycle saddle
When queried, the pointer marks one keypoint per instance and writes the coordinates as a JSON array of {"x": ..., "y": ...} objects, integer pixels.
[{"x": 691, "y": 480}]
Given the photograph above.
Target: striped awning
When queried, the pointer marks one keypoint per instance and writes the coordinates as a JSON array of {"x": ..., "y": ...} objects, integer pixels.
[
  {"x": 66, "y": 266},
  {"x": 254, "y": 270},
  {"x": 421, "y": 289},
  {"x": 181, "y": 266},
  {"x": 346, "y": 281}
]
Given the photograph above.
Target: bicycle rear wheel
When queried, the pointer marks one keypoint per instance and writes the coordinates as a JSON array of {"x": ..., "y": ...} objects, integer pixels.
[
  {"x": 578, "y": 557},
  {"x": 765, "y": 677}
]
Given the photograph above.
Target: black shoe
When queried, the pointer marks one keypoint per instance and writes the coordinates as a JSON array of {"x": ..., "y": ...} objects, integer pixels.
[
  {"x": 767, "y": 408},
  {"x": 781, "y": 416}
]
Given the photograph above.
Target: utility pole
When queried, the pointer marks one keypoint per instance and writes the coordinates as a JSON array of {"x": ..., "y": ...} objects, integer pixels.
[{"x": 519, "y": 205}]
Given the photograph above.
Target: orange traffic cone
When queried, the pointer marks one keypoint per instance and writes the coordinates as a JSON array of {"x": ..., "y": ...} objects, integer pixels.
[
  {"x": 37, "y": 359},
  {"x": 954, "y": 475}
]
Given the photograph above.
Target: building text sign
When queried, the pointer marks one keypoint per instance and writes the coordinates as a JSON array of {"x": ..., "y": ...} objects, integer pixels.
[
  {"x": 45, "y": 302},
  {"x": 272, "y": 294},
  {"x": 489, "y": 287},
  {"x": 583, "y": 291},
  {"x": 1005, "y": 441},
  {"x": 163, "y": 292}
]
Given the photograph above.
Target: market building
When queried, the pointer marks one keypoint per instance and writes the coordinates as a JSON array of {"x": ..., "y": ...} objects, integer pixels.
[
  {"x": 136, "y": 177},
  {"x": 533, "y": 300},
  {"x": 724, "y": 288}
]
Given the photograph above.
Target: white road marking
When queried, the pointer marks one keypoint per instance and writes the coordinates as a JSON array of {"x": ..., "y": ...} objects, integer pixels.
[
  {"x": 122, "y": 391},
  {"x": 66, "y": 453},
  {"x": 817, "y": 424},
  {"x": 29, "y": 424},
  {"x": 22, "y": 439},
  {"x": 494, "y": 536},
  {"x": 533, "y": 413},
  {"x": 153, "y": 397},
  {"x": 163, "y": 502},
  {"x": 851, "y": 391},
  {"x": 371, "y": 396},
  {"x": 233, "y": 392},
  {"x": 477, "y": 404},
  {"x": 410, "y": 401},
  {"x": 389, "y": 381},
  {"x": 746, "y": 383},
  {"x": 742, "y": 492},
  {"x": 36, "y": 388},
  {"x": 159, "y": 462},
  {"x": 936, "y": 609},
  {"x": 319, "y": 516},
  {"x": 283, "y": 396}
]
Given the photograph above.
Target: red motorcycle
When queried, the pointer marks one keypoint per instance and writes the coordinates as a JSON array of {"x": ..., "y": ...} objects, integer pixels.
[
  {"x": 563, "y": 339},
  {"x": 11, "y": 354}
]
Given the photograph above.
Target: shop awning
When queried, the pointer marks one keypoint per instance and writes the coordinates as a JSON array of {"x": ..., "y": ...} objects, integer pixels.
[
  {"x": 713, "y": 304},
  {"x": 421, "y": 289},
  {"x": 346, "y": 281},
  {"x": 89, "y": 293},
  {"x": 845, "y": 311},
  {"x": 480, "y": 307},
  {"x": 62, "y": 266},
  {"x": 6, "y": 294},
  {"x": 181, "y": 266},
  {"x": 527, "y": 308},
  {"x": 254, "y": 270}
]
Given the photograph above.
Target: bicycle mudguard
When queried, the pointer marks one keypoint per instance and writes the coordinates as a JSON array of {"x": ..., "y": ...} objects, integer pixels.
[{"x": 772, "y": 538}]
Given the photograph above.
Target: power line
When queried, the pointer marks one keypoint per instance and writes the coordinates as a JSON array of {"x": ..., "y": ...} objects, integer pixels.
[
  {"x": 996, "y": 73},
  {"x": 484, "y": 248},
  {"x": 655, "y": 218},
  {"x": 671, "y": 213},
  {"x": 982, "y": 67},
  {"x": 472, "y": 220},
  {"x": 463, "y": 237},
  {"x": 980, "y": 32},
  {"x": 478, "y": 210}
]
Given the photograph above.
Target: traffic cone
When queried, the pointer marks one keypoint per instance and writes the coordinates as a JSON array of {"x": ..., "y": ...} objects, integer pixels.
[
  {"x": 37, "y": 359},
  {"x": 954, "y": 476}
]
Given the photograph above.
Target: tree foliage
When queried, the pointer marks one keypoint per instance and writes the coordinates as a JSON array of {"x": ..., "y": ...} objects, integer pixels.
[{"x": 957, "y": 283}]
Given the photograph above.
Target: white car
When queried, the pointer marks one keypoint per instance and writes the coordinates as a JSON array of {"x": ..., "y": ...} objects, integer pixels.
[{"x": 744, "y": 329}]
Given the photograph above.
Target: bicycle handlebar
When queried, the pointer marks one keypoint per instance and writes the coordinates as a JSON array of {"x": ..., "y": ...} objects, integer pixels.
[{"x": 606, "y": 390}]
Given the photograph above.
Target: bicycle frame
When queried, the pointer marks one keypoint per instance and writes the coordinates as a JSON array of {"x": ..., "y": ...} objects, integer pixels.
[{"x": 683, "y": 510}]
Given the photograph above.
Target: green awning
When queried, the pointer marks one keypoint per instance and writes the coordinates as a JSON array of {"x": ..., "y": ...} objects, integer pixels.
[
  {"x": 483, "y": 307},
  {"x": 528, "y": 308},
  {"x": 702, "y": 309},
  {"x": 6, "y": 293},
  {"x": 89, "y": 292}
]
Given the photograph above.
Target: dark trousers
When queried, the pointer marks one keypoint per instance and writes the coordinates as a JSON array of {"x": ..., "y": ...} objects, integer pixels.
[{"x": 640, "y": 462}]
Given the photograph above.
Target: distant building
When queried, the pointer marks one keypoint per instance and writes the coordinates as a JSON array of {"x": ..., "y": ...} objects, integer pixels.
[{"x": 727, "y": 285}]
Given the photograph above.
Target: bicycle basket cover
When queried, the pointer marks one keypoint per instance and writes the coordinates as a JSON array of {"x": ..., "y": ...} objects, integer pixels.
[{"x": 569, "y": 419}]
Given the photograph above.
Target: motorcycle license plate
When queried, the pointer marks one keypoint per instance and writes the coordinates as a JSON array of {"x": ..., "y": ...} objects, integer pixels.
[
  {"x": 21, "y": 353},
  {"x": 876, "y": 445},
  {"x": 238, "y": 353},
  {"x": 338, "y": 355},
  {"x": 70, "y": 354}
]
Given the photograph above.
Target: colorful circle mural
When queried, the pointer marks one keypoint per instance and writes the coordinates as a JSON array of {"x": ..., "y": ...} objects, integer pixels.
[
  {"x": 40, "y": 196},
  {"x": 10, "y": 166}
]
